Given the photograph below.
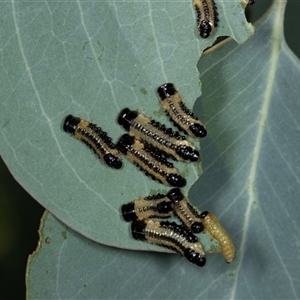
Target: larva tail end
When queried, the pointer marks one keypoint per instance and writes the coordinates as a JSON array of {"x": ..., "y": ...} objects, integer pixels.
[
  {"x": 176, "y": 180},
  {"x": 198, "y": 130},
  {"x": 165, "y": 207},
  {"x": 70, "y": 124},
  {"x": 205, "y": 29},
  {"x": 195, "y": 257},
  {"x": 128, "y": 212},
  {"x": 230, "y": 259},
  {"x": 194, "y": 156},
  {"x": 187, "y": 153},
  {"x": 175, "y": 195},
  {"x": 113, "y": 161},
  {"x": 197, "y": 227},
  {"x": 201, "y": 262},
  {"x": 138, "y": 230},
  {"x": 166, "y": 90}
]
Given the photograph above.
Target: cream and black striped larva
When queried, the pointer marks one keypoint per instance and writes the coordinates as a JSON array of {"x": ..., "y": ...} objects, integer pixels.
[
  {"x": 95, "y": 138},
  {"x": 153, "y": 206},
  {"x": 181, "y": 116},
  {"x": 207, "y": 16},
  {"x": 151, "y": 163},
  {"x": 151, "y": 132},
  {"x": 170, "y": 235},
  {"x": 184, "y": 210},
  {"x": 215, "y": 229}
]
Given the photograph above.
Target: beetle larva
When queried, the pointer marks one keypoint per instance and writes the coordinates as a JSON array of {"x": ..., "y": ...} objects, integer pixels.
[
  {"x": 170, "y": 235},
  {"x": 95, "y": 138},
  {"x": 215, "y": 229},
  {"x": 169, "y": 142},
  {"x": 158, "y": 168},
  {"x": 154, "y": 206},
  {"x": 181, "y": 116},
  {"x": 207, "y": 16},
  {"x": 185, "y": 211}
]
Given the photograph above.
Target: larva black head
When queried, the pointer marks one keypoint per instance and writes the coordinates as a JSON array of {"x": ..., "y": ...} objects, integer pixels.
[
  {"x": 128, "y": 212},
  {"x": 251, "y": 2},
  {"x": 124, "y": 142},
  {"x": 197, "y": 227},
  {"x": 204, "y": 214},
  {"x": 194, "y": 257},
  {"x": 70, "y": 124},
  {"x": 164, "y": 207},
  {"x": 175, "y": 195},
  {"x": 205, "y": 29},
  {"x": 122, "y": 115},
  {"x": 138, "y": 230},
  {"x": 126, "y": 116},
  {"x": 188, "y": 153},
  {"x": 112, "y": 161},
  {"x": 176, "y": 180},
  {"x": 166, "y": 90}
]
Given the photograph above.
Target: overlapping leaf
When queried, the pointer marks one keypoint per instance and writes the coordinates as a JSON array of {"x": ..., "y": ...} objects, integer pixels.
[{"x": 92, "y": 59}]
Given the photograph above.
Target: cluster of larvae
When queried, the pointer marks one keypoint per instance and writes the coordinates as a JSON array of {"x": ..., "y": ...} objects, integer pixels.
[
  {"x": 149, "y": 145},
  {"x": 179, "y": 238}
]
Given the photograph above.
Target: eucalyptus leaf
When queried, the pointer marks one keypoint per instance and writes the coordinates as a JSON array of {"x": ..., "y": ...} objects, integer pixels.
[
  {"x": 68, "y": 266},
  {"x": 250, "y": 104},
  {"x": 93, "y": 59}
]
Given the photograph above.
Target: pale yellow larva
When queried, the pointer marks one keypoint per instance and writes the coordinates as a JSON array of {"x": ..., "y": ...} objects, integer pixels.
[{"x": 215, "y": 229}]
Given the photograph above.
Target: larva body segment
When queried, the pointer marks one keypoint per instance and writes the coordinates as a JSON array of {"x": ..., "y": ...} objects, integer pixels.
[
  {"x": 151, "y": 132},
  {"x": 95, "y": 138},
  {"x": 181, "y": 116},
  {"x": 215, "y": 229},
  {"x": 158, "y": 168},
  {"x": 155, "y": 206},
  {"x": 185, "y": 211},
  {"x": 207, "y": 17},
  {"x": 172, "y": 236}
]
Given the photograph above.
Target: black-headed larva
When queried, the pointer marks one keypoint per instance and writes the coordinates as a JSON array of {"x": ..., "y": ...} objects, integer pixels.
[
  {"x": 207, "y": 16},
  {"x": 170, "y": 235},
  {"x": 151, "y": 132},
  {"x": 215, "y": 229},
  {"x": 153, "y": 206},
  {"x": 181, "y": 116},
  {"x": 95, "y": 138},
  {"x": 157, "y": 167},
  {"x": 184, "y": 210}
]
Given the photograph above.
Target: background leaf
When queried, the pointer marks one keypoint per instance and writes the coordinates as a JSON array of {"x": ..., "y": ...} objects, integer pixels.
[
  {"x": 82, "y": 269},
  {"x": 251, "y": 176},
  {"x": 92, "y": 59}
]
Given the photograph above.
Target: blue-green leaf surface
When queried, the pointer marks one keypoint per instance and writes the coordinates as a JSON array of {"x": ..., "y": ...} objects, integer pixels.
[
  {"x": 251, "y": 177},
  {"x": 92, "y": 59}
]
